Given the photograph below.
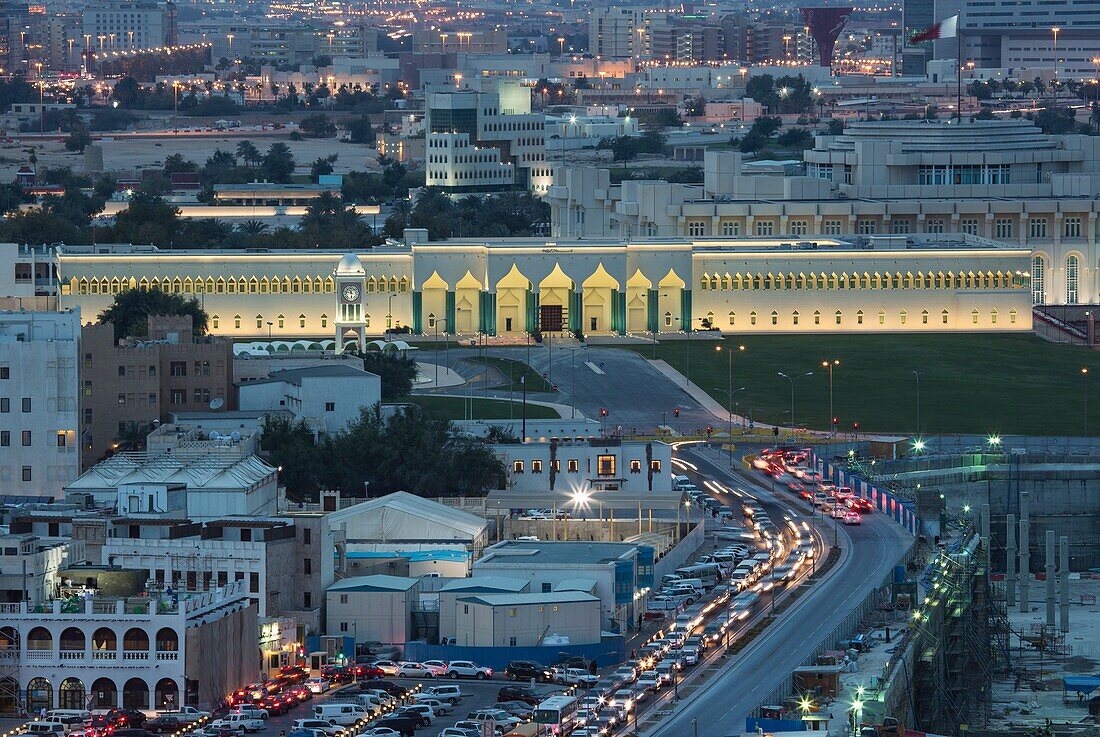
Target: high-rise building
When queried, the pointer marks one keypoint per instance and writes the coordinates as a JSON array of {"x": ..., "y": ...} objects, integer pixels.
[
  {"x": 38, "y": 401},
  {"x": 485, "y": 141},
  {"x": 118, "y": 25},
  {"x": 917, "y": 16},
  {"x": 621, "y": 32}
]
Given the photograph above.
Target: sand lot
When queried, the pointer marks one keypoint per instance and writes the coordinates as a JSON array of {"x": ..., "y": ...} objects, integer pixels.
[{"x": 130, "y": 154}]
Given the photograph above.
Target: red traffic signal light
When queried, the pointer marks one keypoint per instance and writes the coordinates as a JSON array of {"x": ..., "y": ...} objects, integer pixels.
[
  {"x": 855, "y": 425},
  {"x": 835, "y": 421},
  {"x": 603, "y": 412},
  {"x": 676, "y": 412}
]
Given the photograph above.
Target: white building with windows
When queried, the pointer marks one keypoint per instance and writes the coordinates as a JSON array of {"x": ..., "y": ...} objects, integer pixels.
[
  {"x": 120, "y": 25},
  {"x": 1002, "y": 183},
  {"x": 585, "y": 465},
  {"x": 88, "y": 651},
  {"x": 39, "y": 401},
  {"x": 485, "y": 141},
  {"x": 614, "y": 285},
  {"x": 327, "y": 398}
]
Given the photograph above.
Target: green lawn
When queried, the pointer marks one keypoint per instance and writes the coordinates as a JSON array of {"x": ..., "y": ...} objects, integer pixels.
[
  {"x": 515, "y": 369},
  {"x": 456, "y": 408},
  {"x": 968, "y": 383}
]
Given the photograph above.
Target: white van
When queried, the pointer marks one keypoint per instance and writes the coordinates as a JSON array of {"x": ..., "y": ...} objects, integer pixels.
[
  {"x": 679, "y": 482},
  {"x": 343, "y": 714}
]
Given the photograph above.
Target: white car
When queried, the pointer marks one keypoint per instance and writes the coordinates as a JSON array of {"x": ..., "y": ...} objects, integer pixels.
[
  {"x": 468, "y": 669},
  {"x": 437, "y": 667},
  {"x": 423, "y": 709},
  {"x": 459, "y": 732},
  {"x": 380, "y": 732},
  {"x": 250, "y": 710},
  {"x": 501, "y": 717},
  {"x": 441, "y": 708},
  {"x": 414, "y": 670},
  {"x": 649, "y": 681},
  {"x": 388, "y": 667},
  {"x": 327, "y": 726},
  {"x": 576, "y": 677},
  {"x": 318, "y": 685}
]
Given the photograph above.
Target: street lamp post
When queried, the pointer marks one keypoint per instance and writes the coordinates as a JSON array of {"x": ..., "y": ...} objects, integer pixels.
[
  {"x": 792, "y": 379},
  {"x": 1055, "y": 30},
  {"x": 917, "y": 374},
  {"x": 830, "y": 365},
  {"x": 1085, "y": 377}
]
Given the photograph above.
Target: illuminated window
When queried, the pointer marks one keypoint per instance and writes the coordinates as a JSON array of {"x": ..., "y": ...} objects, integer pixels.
[
  {"x": 517, "y": 467},
  {"x": 635, "y": 466},
  {"x": 605, "y": 465},
  {"x": 1072, "y": 263},
  {"x": 536, "y": 466},
  {"x": 572, "y": 466}
]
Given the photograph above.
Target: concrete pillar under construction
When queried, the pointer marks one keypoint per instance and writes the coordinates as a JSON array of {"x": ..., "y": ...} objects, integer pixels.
[
  {"x": 1063, "y": 543},
  {"x": 1025, "y": 553},
  {"x": 985, "y": 536},
  {"x": 1051, "y": 577},
  {"x": 1010, "y": 560}
]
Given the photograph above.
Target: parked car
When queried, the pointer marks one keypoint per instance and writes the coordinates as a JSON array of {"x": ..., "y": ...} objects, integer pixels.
[
  {"x": 526, "y": 670},
  {"x": 468, "y": 669},
  {"x": 318, "y": 685},
  {"x": 502, "y": 718},
  {"x": 451, "y": 694},
  {"x": 422, "y": 710},
  {"x": 519, "y": 693},
  {"x": 327, "y": 726},
  {"x": 246, "y": 723},
  {"x": 576, "y": 677},
  {"x": 388, "y": 667},
  {"x": 406, "y": 726},
  {"x": 251, "y": 710},
  {"x": 437, "y": 667},
  {"x": 414, "y": 670},
  {"x": 439, "y": 708}
]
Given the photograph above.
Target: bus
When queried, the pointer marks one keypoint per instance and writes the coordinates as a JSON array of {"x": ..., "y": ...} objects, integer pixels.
[{"x": 558, "y": 714}]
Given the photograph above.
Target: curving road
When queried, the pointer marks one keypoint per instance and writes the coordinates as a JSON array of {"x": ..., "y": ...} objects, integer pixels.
[{"x": 720, "y": 706}]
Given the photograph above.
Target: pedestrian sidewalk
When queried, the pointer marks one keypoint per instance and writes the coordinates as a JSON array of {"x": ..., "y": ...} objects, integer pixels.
[{"x": 708, "y": 402}]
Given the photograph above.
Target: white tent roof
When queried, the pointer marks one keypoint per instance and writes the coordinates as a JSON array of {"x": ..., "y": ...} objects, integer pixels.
[
  {"x": 194, "y": 470},
  {"x": 404, "y": 516}
]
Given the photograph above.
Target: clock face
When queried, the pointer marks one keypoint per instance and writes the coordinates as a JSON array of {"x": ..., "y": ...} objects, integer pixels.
[{"x": 351, "y": 293}]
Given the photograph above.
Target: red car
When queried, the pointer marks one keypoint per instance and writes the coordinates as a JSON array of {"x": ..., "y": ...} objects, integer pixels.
[
  {"x": 861, "y": 505},
  {"x": 301, "y": 693},
  {"x": 368, "y": 671},
  {"x": 795, "y": 487}
]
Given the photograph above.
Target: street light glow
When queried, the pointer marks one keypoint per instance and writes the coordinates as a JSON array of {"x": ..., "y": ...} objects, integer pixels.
[
  {"x": 918, "y": 444},
  {"x": 994, "y": 440}
]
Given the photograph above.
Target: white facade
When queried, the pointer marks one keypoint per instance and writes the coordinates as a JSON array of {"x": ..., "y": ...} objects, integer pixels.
[
  {"x": 39, "y": 401},
  {"x": 120, "y": 25},
  {"x": 485, "y": 141},
  {"x": 372, "y": 608},
  {"x": 327, "y": 398},
  {"x": 621, "y": 32},
  {"x": 525, "y": 620},
  {"x": 201, "y": 485},
  {"x": 614, "y": 572},
  {"x": 587, "y": 465},
  {"x": 29, "y": 565},
  {"x": 135, "y": 652}
]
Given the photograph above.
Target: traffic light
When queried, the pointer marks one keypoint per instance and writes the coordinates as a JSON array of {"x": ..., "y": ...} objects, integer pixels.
[
  {"x": 855, "y": 425},
  {"x": 676, "y": 412},
  {"x": 836, "y": 421},
  {"x": 775, "y": 430},
  {"x": 604, "y": 412}
]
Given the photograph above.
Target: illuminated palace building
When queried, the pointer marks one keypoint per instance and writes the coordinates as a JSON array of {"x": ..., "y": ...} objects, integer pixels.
[{"x": 508, "y": 287}]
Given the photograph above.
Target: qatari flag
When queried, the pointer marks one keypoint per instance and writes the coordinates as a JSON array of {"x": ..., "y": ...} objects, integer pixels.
[{"x": 947, "y": 28}]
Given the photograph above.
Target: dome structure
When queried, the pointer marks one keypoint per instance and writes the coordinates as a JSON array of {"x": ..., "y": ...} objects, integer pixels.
[{"x": 350, "y": 266}]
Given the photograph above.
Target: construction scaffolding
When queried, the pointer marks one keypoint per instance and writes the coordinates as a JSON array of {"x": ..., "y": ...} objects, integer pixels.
[
  {"x": 958, "y": 646},
  {"x": 11, "y": 701}
]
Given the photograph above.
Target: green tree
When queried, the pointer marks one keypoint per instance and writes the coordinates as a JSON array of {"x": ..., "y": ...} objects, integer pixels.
[
  {"x": 278, "y": 163},
  {"x": 131, "y": 309},
  {"x": 131, "y": 437},
  {"x": 248, "y": 153},
  {"x": 128, "y": 93},
  {"x": 174, "y": 163},
  {"x": 796, "y": 138},
  {"x": 360, "y": 130},
  {"x": 1055, "y": 121},
  {"x": 317, "y": 125},
  {"x": 148, "y": 219},
  {"x": 322, "y": 166},
  {"x": 396, "y": 370},
  {"x": 78, "y": 140},
  {"x": 290, "y": 446}
]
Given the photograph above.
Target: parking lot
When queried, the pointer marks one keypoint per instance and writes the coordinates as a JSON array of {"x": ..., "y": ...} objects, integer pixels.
[{"x": 476, "y": 695}]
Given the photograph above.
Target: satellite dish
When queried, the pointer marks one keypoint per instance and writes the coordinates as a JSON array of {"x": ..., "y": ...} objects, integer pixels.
[
  {"x": 236, "y": 436},
  {"x": 216, "y": 403},
  {"x": 215, "y": 436}
]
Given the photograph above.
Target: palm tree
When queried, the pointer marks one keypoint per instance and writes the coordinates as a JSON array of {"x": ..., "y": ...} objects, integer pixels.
[
  {"x": 248, "y": 153},
  {"x": 252, "y": 228},
  {"x": 131, "y": 437}
]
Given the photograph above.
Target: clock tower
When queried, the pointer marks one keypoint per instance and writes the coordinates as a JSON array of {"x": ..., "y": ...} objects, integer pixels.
[{"x": 350, "y": 279}]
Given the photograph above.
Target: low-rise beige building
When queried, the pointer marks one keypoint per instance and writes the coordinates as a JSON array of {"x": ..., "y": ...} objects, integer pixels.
[{"x": 527, "y": 620}]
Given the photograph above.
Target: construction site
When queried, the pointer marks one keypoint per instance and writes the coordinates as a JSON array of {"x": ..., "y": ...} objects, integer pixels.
[{"x": 1004, "y": 634}]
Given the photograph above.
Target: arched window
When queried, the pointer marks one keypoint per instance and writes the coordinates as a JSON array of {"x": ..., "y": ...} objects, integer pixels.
[
  {"x": 775, "y": 317},
  {"x": 704, "y": 282},
  {"x": 974, "y": 317},
  {"x": 39, "y": 695},
  {"x": 324, "y": 320},
  {"x": 733, "y": 318},
  {"x": 39, "y": 639},
  {"x": 904, "y": 316},
  {"x": 237, "y": 322},
  {"x": 859, "y": 317},
  {"x": 1012, "y": 316},
  {"x": 104, "y": 694},
  {"x": 839, "y": 316},
  {"x": 135, "y": 694},
  {"x": 924, "y": 317},
  {"x": 301, "y": 321},
  {"x": 943, "y": 316},
  {"x": 881, "y": 316},
  {"x": 70, "y": 694},
  {"x": 794, "y": 317},
  {"x": 817, "y": 317},
  {"x": 1072, "y": 264},
  {"x": 752, "y": 317},
  {"x": 72, "y": 640},
  {"x": 281, "y": 321}
]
